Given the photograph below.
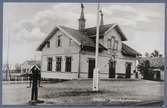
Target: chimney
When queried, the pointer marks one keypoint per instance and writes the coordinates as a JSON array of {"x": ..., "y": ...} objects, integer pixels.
[
  {"x": 82, "y": 19},
  {"x": 101, "y": 19}
]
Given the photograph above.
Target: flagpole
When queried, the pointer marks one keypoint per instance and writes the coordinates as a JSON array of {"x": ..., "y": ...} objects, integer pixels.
[{"x": 96, "y": 70}]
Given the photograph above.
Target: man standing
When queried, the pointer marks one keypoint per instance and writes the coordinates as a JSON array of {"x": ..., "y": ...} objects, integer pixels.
[{"x": 35, "y": 77}]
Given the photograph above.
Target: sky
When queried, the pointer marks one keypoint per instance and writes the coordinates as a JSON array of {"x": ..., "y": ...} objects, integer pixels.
[{"x": 26, "y": 25}]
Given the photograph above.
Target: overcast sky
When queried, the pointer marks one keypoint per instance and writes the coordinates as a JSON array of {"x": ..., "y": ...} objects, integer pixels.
[{"x": 29, "y": 23}]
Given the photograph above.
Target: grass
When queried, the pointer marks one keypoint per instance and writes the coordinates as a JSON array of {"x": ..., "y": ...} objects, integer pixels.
[
  {"x": 79, "y": 92},
  {"x": 111, "y": 92}
]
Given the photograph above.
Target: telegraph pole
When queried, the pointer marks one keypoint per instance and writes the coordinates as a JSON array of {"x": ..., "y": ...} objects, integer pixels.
[{"x": 96, "y": 70}]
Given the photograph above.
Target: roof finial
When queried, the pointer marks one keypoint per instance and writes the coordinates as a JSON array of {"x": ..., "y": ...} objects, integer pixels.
[
  {"x": 82, "y": 19},
  {"x": 82, "y": 6},
  {"x": 101, "y": 21},
  {"x": 82, "y": 11}
]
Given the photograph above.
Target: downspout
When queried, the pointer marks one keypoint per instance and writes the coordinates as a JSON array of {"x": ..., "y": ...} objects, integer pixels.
[
  {"x": 79, "y": 62},
  {"x": 136, "y": 67}
]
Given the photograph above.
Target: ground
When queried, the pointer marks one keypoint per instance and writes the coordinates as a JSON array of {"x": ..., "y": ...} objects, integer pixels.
[{"x": 79, "y": 92}]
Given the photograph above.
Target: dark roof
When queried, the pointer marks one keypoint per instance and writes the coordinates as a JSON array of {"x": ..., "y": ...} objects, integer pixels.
[
  {"x": 79, "y": 36},
  {"x": 155, "y": 62},
  {"x": 82, "y": 38},
  {"x": 128, "y": 51},
  {"x": 91, "y": 32}
]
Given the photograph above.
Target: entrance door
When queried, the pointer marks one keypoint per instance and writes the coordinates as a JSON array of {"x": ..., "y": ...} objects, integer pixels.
[
  {"x": 112, "y": 65},
  {"x": 128, "y": 70},
  {"x": 91, "y": 68}
]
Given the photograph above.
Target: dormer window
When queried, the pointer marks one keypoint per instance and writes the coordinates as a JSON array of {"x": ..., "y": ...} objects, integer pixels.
[
  {"x": 48, "y": 44},
  {"x": 58, "y": 41}
]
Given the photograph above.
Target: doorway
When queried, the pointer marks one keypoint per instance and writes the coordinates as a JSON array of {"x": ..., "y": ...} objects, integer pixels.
[
  {"x": 128, "y": 70},
  {"x": 112, "y": 65},
  {"x": 91, "y": 67}
]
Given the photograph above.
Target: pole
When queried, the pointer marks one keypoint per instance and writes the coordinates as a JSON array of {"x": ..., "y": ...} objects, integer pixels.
[
  {"x": 96, "y": 70},
  {"x": 7, "y": 65}
]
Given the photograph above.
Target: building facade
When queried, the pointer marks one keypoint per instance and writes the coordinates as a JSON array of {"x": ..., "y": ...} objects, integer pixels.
[{"x": 69, "y": 53}]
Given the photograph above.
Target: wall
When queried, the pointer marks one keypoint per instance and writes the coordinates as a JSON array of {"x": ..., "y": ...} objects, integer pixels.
[
  {"x": 84, "y": 63},
  {"x": 108, "y": 35},
  {"x": 121, "y": 62},
  {"x": 65, "y": 50},
  {"x": 162, "y": 75},
  {"x": 73, "y": 51}
]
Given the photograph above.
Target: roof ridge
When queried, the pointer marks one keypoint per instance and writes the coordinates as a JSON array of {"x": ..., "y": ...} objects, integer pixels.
[
  {"x": 101, "y": 25},
  {"x": 68, "y": 27}
]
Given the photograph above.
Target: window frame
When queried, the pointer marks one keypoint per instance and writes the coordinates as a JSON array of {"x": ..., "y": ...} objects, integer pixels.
[
  {"x": 49, "y": 63},
  {"x": 58, "y": 41},
  {"x": 109, "y": 43},
  {"x": 67, "y": 67},
  {"x": 58, "y": 64}
]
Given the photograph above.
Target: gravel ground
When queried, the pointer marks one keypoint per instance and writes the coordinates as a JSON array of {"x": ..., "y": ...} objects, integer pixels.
[{"x": 79, "y": 92}]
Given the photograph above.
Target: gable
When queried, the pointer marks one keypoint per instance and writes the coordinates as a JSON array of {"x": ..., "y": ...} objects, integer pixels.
[
  {"x": 75, "y": 35},
  {"x": 52, "y": 33},
  {"x": 118, "y": 30},
  {"x": 103, "y": 30}
]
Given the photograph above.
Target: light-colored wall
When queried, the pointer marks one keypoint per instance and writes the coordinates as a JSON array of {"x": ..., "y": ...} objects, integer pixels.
[
  {"x": 65, "y": 50},
  {"x": 121, "y": 65},
  {"x": 104, "y": 66},
  {"x": 112, "y": 33},
  {"x": 74, "y": 62},
  {"x": 162, "y": 75},
  {"x": 73, "y": 51},
  {"x": 84, "y": 58}
]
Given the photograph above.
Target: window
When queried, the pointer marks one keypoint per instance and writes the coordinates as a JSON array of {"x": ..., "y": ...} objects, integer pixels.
[
  {"x": 109, "y": 43},
  {"x": 68, "y": 64},
  {"x": 112, "y": 42},
  {"x": 58, "y": 64},
  {"x": 116, "y": 45},
  {"x": 48, "y": 44},
  {"x": 58, "y": 41},
  {"x": 49, "y": 66}
]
